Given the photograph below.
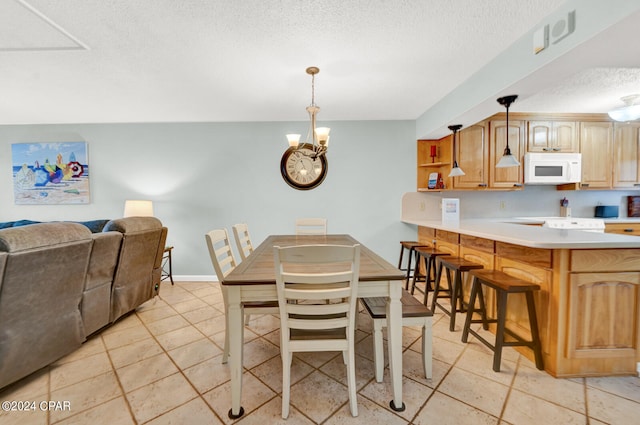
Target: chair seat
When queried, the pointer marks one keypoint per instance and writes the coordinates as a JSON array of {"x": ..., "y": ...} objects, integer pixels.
[{"x": 411, "y": 307}]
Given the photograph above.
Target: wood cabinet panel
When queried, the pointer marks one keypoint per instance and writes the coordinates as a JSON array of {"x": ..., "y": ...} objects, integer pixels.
[
  {"x": 596, "y": 148},
  {"x": 472, "y": 154},
  {"x": 426, "y": 235},
  {"x": 596, "y": 260},
  {"x": 552, "y": 136},
  {"x": 626, "y": 157},
  {"x": 511, "y": 177},
  {"x": 632, "y": 229},
  {"x": 535, "y": 256},
  {"x": 443, "y": 235},
  {"x": 481, "y": 244},
  {"x": 441, "y": 163},
  {"x": 604, "y": 315},
  {"x": 448, "y": 247}
]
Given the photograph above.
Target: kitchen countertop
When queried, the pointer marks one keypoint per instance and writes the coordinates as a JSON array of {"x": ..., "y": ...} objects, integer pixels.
[{"x": 515, "y": 231}]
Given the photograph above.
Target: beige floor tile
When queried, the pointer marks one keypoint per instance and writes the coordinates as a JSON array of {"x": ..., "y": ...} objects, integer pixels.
[
  {"x": 414, "y": 395},
  {"x": 194, "y": 412},
  {"x": 190, "y": 305},
  {"x": 446, "y": 350},
  {"x": 155, "y": 399},
  {"x": 213, "y": 326},
  {"x": 271, "y": 413},
  {"x": 125, "y": 336},
  {"x": 176, "y": 338},
  {"x": 212, "y": 290},
  {"x": 259, "y": 351},
  {"x": 318, "y": 359},
  {"x": 305, "y": 396},
  {"x": 195, "y": 352},
  {"x": 146, "y": 371},
  {"x": 167, "y": 324},
  {"x": 475, "y": 390},
  {"x": 113, "y": 412},
  {"x": 32, "y": 387},
  {"x": 155, "y": 302},
  {"x": 134, "y": 352},
  {"x": 623, "y": 386},
  {"x": 270, "y": 372},
  {"x": 127, "y": 321},
  {"x": 86, "y": 395},
  {"x": 254, "y": 395},
  {"x": 209, "y": 374},
  {"x": 23, "y": 417},
  {"x": 263, "y": 324},
  {"x": 444, "y": 410},
  {"x": 560, "y": 391},
  {"x": 337, "y": 369},
  {"x": 87, "y": 367},
  {"x": 91, "y": 346},
  {"x": 480, "y": 362},
  {"x": 204, "y": 313},
  {"x": 368, "y": 413},
  {"x": 608, "y": 408},
  {"x": 153, "y": 315},
  {"x": 524, "y": 409}
]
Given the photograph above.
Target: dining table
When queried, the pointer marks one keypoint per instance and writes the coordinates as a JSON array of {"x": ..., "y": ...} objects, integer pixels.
[{"x": 253, "y": 280}]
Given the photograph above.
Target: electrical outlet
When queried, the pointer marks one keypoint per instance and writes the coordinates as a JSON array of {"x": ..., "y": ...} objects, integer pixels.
[
  {"x": 503, "y": 205},
  {"x": 422, "y": 206}
]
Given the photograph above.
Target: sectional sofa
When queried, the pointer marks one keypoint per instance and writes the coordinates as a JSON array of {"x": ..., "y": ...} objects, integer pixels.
[{"x": 60, "y": 283}]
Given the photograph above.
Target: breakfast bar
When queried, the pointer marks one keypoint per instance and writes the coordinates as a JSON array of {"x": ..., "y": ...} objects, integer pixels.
[{"x": 588, "y": 307}]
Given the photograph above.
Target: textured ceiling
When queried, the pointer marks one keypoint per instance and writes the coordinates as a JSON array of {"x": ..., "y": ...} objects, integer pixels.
[{"x": 75, "y": 61}]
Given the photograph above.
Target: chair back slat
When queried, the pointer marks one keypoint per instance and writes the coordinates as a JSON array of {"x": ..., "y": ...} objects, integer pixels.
[{"x": 311, "y": 226}]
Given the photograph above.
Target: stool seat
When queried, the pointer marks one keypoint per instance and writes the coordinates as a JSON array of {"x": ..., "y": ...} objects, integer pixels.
[
  {"x": 458, "y": 266},
  {"x": 504, "y": 285},
  {"x": 414, "y": 313},
  {"x": 411, "y": 246},
  {"x": 429, "y": 255}
]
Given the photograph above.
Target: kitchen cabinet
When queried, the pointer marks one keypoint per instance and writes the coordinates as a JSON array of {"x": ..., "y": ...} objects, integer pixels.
[
  {"x": 596, "y": 148},
  {"x": 626, "y": 155},
  {"x": 552, "y": 136},
  {"x": 472, "y": 154},
  {"x": 427, "y": 164},
  {"x": 623, "y": 228},
  {"x": 511, "y": 177}
]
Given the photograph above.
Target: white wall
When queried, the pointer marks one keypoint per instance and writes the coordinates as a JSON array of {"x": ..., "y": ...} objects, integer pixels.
[{"x": 203, "y": 176}]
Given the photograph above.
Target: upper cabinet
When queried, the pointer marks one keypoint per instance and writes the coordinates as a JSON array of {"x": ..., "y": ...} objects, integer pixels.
[
  {"x": 472, "y": 154},
  {"x": 596, "y": 142},
  {"x": 434, "y": 156},
  {"x": 511, "y": 177},
  {"x": 626, "y": 155},
  {"x": 552, "y": 136}
]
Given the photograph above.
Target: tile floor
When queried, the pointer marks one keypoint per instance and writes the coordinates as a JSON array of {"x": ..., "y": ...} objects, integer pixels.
[{"x": 161, "y": 365}]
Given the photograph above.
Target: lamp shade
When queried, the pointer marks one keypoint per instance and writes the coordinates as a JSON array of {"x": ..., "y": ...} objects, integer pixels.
[
  {"x": 626, "y": 113},
  {"x": 507, "y": 160},
  {"x": 138, "y": 208}
]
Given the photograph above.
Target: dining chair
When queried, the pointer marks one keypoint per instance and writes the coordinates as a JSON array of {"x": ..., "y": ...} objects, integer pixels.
[
  {"x": 311, "y": 226},
  {"x": 306, "y": 276},
  {"x": 243, "y": 240},
  {"x": 224, "y": 262}
]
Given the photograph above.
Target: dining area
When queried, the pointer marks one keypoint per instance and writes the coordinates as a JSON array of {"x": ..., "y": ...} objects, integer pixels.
[{"x": 316, "y": 265}]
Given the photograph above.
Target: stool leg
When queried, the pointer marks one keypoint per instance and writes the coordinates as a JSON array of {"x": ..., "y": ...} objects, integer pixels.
[
  {"x": 472, "y": 304},
  {"x": 452, "y": 300},
  {"x": 416, "y": 272},
  {"x": 401, "y": 255},
  {"x": 170, "y": 269},
  {"x": 502, "y": 316},
  {"x": 428, "y": 279},
  {"x": 436, "y": 288},
  {"x": 535, "y": 337},
  {"x": 483, "y": 309}
]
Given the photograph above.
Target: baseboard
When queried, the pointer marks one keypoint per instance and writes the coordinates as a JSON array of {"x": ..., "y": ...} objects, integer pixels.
[{"x": 195, "y": 278}]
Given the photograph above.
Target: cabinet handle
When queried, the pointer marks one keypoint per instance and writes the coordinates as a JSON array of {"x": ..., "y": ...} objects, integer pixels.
[
  {"x": 636, "y": 184},
  {"x": 555, "y": 149},
  {"x": 584, "y": 184},
  {"x": 545, "y": 149},
  {"x": 517, "y": 185},
  {"x": 628, "y": 230},
  {"x": 483, "y": 185}
]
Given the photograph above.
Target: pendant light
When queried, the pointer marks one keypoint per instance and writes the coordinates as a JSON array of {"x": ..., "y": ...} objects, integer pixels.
[
  {"x": 507, "y": 160},
  {"x": 455, "y": 171}
]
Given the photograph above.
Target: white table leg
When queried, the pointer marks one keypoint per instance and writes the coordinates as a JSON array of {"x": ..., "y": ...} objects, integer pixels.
[
  {"x": 236, "y": 336},
  {"x": 394, "y": 316}
]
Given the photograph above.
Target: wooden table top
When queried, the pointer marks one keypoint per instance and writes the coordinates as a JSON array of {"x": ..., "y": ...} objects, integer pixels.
[{"x": 258, "y": 268}]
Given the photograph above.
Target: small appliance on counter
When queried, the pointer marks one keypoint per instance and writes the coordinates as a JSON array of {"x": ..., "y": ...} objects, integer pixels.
[{"x": 606, "y": 211}]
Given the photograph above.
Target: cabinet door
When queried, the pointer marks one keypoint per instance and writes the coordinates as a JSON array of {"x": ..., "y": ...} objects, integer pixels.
[
  {"x": 626, "y": 141},
  {"x": 511, "y": 177},
  {"x": 565, "y": 137},
  {"x": 539, "y": 136},
  {"x": 596, "y": 149},
  {"x": 472, "y": 155}
]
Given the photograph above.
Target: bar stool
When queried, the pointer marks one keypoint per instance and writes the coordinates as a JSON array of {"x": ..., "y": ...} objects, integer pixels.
[
  {"x": 454, "y": 293},
  {"x": 504, "y": 285},
  {"x": 411, "y": 246},
  {"x": 429, "y": 255}
]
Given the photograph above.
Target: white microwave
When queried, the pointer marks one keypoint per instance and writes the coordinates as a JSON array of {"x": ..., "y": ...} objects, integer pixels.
[{"x": 552, "y": 168}]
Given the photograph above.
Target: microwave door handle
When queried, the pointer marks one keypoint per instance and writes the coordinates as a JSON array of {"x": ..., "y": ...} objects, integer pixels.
[{"x": 569, "y": 170}]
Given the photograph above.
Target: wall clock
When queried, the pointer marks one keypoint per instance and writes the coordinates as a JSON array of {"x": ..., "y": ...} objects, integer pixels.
[{"x": 302, "y": 168}]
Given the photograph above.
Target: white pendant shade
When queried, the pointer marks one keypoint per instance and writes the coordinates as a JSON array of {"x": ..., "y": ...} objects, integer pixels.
[
  {"x": 626, "y": 113},
  {"x": 507, "y": 161},
  {"x": 456, "y": 172}
]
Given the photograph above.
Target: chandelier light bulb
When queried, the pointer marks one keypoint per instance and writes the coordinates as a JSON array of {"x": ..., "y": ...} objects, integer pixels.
[{"x": 294, "y": 140}]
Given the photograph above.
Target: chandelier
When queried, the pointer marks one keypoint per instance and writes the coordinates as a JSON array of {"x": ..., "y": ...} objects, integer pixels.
[{"x": 317, "y": 138}]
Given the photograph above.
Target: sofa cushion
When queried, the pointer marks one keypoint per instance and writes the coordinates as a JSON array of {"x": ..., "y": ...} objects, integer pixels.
[
  {"x": 40, "y": 235},
  {"x": 95, "y": 226},
  {"x": 133, "y": 224}
]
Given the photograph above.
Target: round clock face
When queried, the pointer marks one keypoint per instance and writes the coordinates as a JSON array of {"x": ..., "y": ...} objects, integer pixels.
[{"x": 301, "y": 170}]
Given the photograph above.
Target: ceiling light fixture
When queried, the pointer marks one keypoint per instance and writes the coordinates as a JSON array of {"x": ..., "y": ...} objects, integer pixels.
[
  {"x": 507, "y": 160},
  {"x": 455, "y": 171},
  {"x": 319, "y": 136},
  {"x": 629, "y": 112}
]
